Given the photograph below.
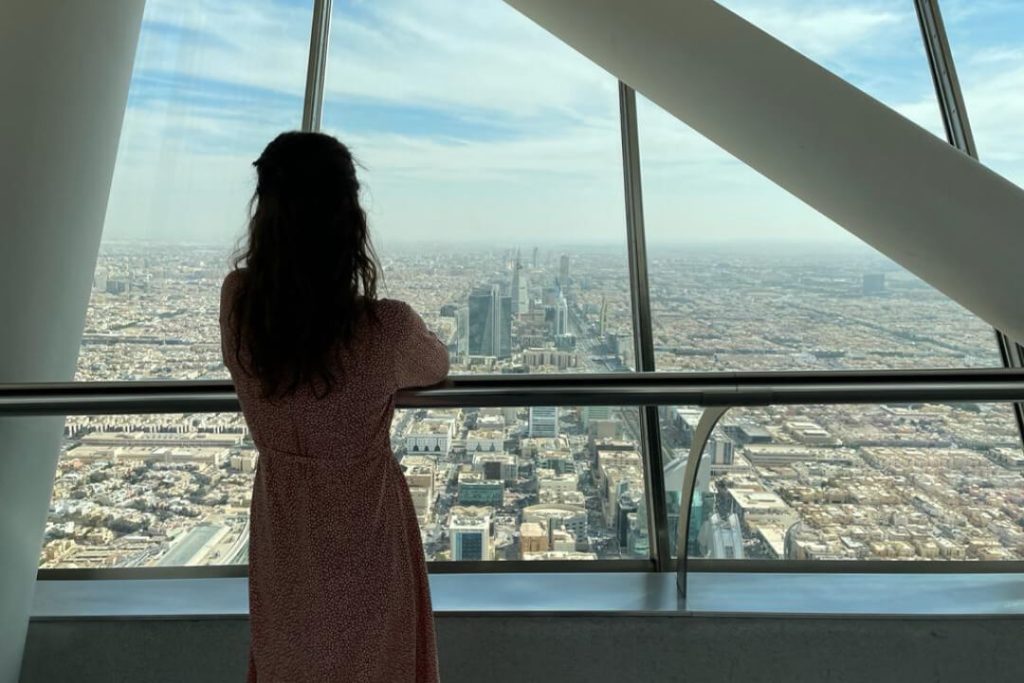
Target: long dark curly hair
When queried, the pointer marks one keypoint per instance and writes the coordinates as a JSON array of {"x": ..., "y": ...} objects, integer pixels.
[{"x": 308, "y": 270}]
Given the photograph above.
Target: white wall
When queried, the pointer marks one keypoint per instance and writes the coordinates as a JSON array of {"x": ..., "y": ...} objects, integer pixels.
[{"x": 64, "y": 74}]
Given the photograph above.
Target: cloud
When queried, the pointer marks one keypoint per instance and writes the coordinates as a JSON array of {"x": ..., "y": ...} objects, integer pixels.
[
  {"x": 985, "y": 40},
  {"x": 262, "y": 43},
  {"x": 472, "y": 121},
  {"x": 825, "y": 29},
  {"x": 479, "y": 56}
]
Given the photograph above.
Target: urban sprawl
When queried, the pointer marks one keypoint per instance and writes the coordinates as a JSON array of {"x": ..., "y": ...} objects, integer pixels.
[{"x": 884, "y": 482}]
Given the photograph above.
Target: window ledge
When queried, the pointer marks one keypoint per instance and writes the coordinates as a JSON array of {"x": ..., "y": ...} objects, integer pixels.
[{"x": 640, "y": 593}]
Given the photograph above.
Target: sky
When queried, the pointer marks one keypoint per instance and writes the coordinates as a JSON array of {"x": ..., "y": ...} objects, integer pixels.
[{"x": 473, "y": 125}]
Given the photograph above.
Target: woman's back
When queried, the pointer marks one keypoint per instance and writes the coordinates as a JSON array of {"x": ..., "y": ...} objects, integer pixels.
[
  {"x": 389, "y": 351},
  {"x": 337, "y": 581},
  {"x": 338, "y": 585}
]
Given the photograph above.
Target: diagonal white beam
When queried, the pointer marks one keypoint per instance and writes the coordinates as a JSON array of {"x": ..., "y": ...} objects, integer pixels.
[{"x": 938, "y": 213}]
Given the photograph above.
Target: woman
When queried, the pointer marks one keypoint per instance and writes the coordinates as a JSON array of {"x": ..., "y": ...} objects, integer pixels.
[{"x": 337, "y": 581}]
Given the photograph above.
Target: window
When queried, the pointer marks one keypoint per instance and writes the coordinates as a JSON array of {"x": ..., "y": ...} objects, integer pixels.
[
  {"x": 151, "y": 491},
  {"x": 494, "y": 188},
  {"x": 884, "y": 482},
  {"x": 746, "y": 277},
  {"x": 547, "y": 483},
  {"x": 494, "y": 191},
  {"x": 213, "y": 82}
]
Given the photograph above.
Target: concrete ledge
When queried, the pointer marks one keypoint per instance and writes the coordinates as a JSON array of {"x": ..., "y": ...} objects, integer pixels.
[{"x": 570, "y": 648}]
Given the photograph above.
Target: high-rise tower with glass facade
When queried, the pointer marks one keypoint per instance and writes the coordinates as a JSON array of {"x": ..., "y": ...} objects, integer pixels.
[{"x": 489, "y": 323}]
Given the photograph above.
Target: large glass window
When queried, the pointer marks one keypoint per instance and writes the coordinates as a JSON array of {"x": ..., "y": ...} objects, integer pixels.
[
  {"x": 885, "y": 482},
  {"x": 151, "y": 491},
  {"x": 541, "y": 483},
  {"x": 746, "y": 277},
  {"x": 213, "y": 82},
  {"x": 985, "y": 38},
  {"x": 494, "y": 187},
  {"x": 494, "y": 190}
]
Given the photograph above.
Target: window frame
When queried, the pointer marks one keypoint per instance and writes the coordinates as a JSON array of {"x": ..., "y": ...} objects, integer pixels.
[{"x": 957, "y": 125}]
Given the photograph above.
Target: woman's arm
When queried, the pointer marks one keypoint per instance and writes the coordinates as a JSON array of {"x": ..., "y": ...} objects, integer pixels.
[{"x": 420, "y": 357}]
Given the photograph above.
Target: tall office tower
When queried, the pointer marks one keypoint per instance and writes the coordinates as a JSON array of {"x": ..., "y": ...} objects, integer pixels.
[
  {"x": 873, "y": 283},
  {"x": 535, "y": 255},
  {"x": 563, "y": 271},
  {"x": 596, "y": 413},
  {"x": 703, "y": 502},
  {"x": 562, "y": 322},
  {"x": 514, "y": 289},
  {"x": 638, "y": 540},
  {"x": 489, "y": 323},
  {"x": 469, "y": 529},
  {"x": 721, "y": 449},
  {"x": 544, "y": 421},
  {"x": 99, "y": 280},
  {"x": 523, "y": 293},
  {"x": 628, "y": 502},
  {"x": 520, "y": 292}
]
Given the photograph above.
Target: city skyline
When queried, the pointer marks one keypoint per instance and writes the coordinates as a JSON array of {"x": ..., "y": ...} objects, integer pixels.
[
  {"x": 458, "y": 135},
  {"x": 899, "y": 481}
]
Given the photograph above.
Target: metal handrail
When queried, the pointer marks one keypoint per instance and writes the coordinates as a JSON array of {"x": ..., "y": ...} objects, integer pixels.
[
  {"x": 717, "y": 391},
  {"x": 620, "y": 389}
]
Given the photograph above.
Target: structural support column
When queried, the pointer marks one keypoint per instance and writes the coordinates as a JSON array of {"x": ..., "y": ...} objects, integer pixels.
[{"x": 64, "y": 71}]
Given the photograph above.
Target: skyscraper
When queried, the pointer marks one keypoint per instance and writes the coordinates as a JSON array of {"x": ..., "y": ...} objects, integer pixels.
[
  {"x": 470, "y": 533},
  {"x": 520, "y": 292},
  {"x": 544, "y": 421},
  {"x": 562, "y": 322},
  {"x": 590, "y": 413},
  {"x": 721, "y": 449},
  {"x": 489, "y": 323},
  {"x": 563, "y": 271}
]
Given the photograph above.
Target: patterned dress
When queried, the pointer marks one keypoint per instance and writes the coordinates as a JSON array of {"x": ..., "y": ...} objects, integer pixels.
[{"x": 337, "y": 580}]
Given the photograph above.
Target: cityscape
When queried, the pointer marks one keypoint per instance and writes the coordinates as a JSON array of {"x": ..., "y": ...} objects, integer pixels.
[{"x": 878, "y": 482}]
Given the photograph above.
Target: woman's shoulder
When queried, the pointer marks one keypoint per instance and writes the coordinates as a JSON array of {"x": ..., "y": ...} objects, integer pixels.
[
  {"x": 398, "y": 316},
  {"x": 392, "y": 306},
  {"x": 231, "y": 284},
  {"x": 393, "y": 311},
  {"x": 229, "y": 291},
  {"x": 233, "y": 279}
]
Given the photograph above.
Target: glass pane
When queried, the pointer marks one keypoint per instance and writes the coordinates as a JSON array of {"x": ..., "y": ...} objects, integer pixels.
[
  {"x": 886, "y": 482},
  {"x": 545, "y": 483},
  {"x": 213, "y": 82},
  {"x": 494, "y": 188},
  {"x": 746, "y": 277},
  {"x": 151, "y": 491},
  {"x": 985, "y": 38}
]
